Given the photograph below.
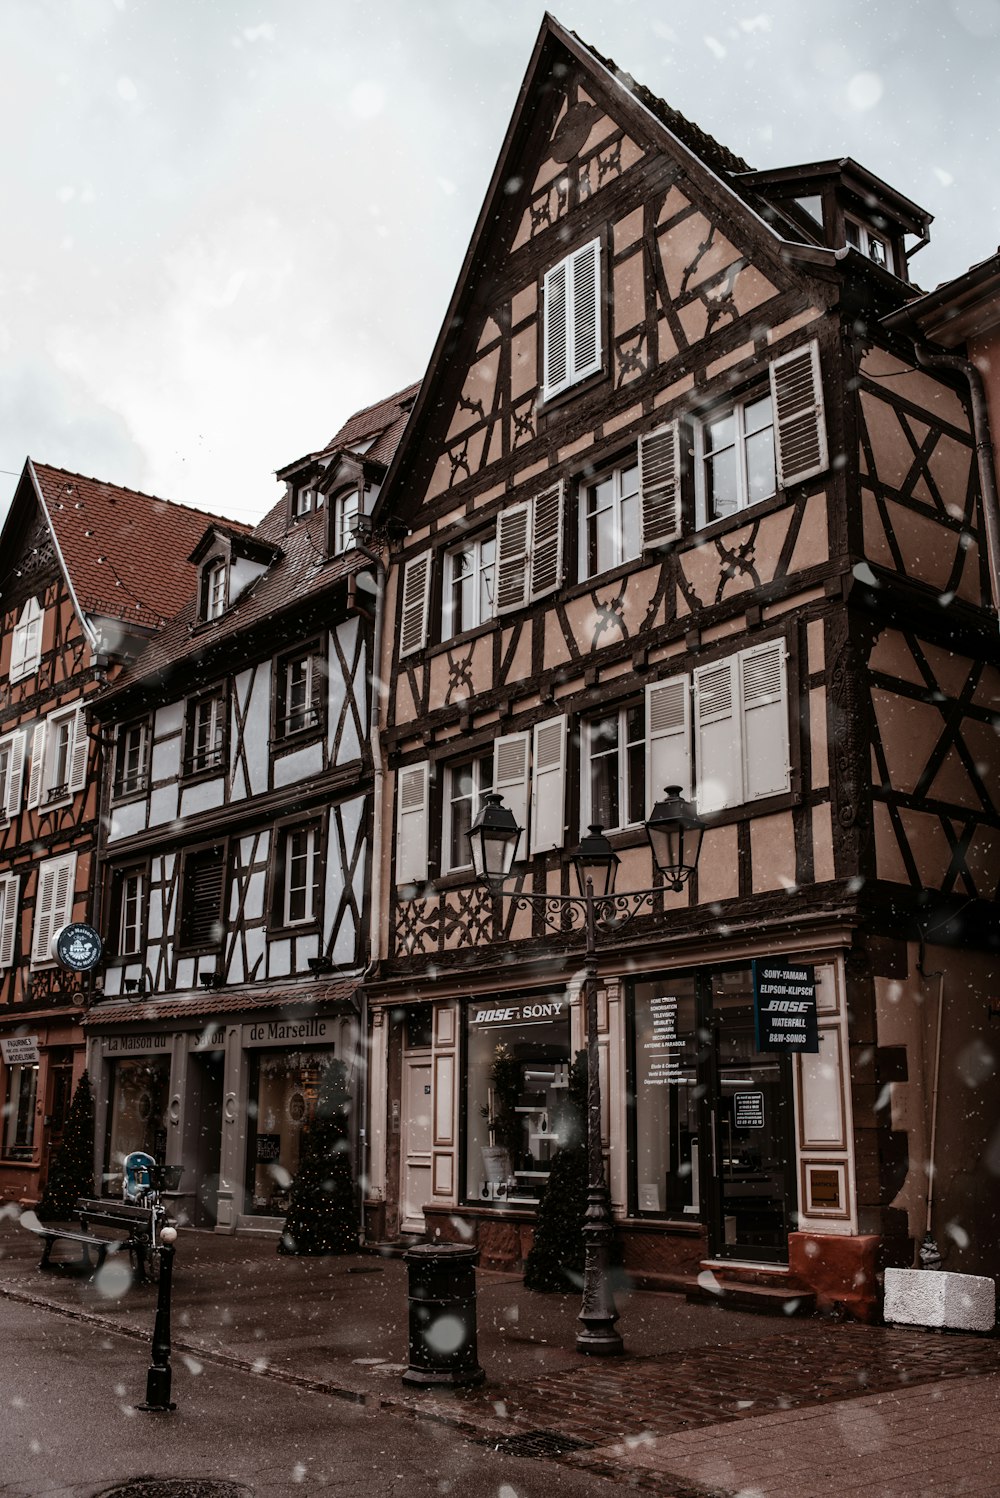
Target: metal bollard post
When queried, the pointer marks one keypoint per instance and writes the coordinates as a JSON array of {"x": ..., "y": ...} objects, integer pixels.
[
  {"x": 158, "y": 1377},
  {"x": 443, "y": 1342}
]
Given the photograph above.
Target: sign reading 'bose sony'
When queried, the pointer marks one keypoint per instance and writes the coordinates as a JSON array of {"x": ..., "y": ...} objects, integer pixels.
[
  {"x": 784, "y": 1006},
  {"x": 530, "y": 1012}
]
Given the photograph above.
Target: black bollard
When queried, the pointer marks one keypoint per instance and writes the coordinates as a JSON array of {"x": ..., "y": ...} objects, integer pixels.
[{"x": 158, "y": 1377}]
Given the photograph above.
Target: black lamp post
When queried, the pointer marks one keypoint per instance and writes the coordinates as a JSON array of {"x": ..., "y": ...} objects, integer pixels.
[{"x": 675, "y": 833}]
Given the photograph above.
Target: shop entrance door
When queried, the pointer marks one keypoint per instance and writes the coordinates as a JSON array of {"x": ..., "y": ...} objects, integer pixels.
[
  {"x": 753, "y": 1181},
  {"x": 417, "y": 1137}
]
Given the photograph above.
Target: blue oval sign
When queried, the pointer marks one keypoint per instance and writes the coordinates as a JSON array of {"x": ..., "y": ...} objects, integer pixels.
[{"x": 77, "y": 946}]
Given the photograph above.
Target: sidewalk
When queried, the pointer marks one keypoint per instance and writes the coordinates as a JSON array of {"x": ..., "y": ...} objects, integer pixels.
[{"x": 705, "y": 1400}]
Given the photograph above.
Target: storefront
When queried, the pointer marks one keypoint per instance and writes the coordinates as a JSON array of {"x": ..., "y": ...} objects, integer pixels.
[{"x": 37, "y": 1077}]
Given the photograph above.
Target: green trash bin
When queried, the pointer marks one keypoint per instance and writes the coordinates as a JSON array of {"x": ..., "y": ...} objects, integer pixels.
[{"x": 442, "y": 1298}]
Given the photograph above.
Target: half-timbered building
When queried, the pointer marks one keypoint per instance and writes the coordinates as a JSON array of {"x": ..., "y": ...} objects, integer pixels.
[
  {"x": 680, "y": 510},
  {"x": 88, "y": 573},
  {"x": 235, "y": 863}
]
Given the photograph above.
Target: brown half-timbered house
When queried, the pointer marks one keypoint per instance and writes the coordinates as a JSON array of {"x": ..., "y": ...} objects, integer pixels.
[
  {"x": 89, "y": 572},
  {"x": 681, "y": 510},
  {"x": 235, "y": 861}
]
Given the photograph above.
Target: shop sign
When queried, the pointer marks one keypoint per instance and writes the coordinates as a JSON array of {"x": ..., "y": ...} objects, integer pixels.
[
  {"x": 275, "y": 1032},
  {"x": 212, "y": 1038},
  {"x": 20, "y": 1050},
  {"x": 138, "y": 1043},
  {"x": 663, "y": 1052},
  {"x": 748, "y": 1110},
  {"x": 785, "y": 1006},
  {"x": 268, "y": 1148},
  {"x": 530, "y": 1012},
  {"x": 77, "y": 946}
]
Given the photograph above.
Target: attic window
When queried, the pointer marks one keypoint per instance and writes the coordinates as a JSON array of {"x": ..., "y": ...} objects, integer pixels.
[
  {"x": 571, "y": 303},
  {"x": 214, "y": 588},
  {"x": 875, "y": 246},
  {"x": 305, "y": 500}
]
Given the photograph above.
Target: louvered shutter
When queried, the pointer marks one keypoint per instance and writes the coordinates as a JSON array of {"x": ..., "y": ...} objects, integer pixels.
[
  {"x": 763, "y": 693},
  {"x": 547, "y": 541},
  {"x": 799, "y": 420},
  {"x": 203, "y": 880},
  {"x": 513, "y": 540},
  {"x": 510, "y": 780},
  {"x": 586, "y": 322},
  {"x": 9, "y": 886},
  {"x": 53, "y": 905},
  {"x": 37, "y": 765},
  {"x": 78, "y": 754},
  {"x": 718, "y": 756},
  {"x": 659, "y": 485},
  {"x": 15, "y": 776},
  {"x": 668, "y": 738},
  {"x": 412, "y": 824},
  {"x": 555, "y": 335},
  {"x": 548, "y": 785},
  {"x": 18, "y": 650},
  {"x": 416, "y": 601}
]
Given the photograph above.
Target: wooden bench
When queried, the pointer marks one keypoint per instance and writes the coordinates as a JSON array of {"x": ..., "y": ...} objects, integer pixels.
[
  {"x": 135, "y": 1223},
  {"x": 87, "y": 1241}
]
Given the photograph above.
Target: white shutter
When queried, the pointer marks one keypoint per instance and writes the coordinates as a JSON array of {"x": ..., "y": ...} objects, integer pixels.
[
  {"x": 764, "y": 697},
  {"x": 510, "y": 780},
  {"x": 18, "y": 644},
  {"x": 416, "y": 603},
  {"x": 37, "y": 765},
  {"x": 412, "y": 824},
  {"x": 548, "y": 785},
  {"x": 718, "y": 756},
  {"x": 659, "y": 485},
  {"x": 799, "y": 420},
  {"x": 45, "y": 890},
  {"x": 668, "y": 738},
  {"x": 9, "y": 884},
  {"x": 586, "y": 323},
  {"x": 547, "y": 541},
  {"x": 555, "y": 335},
  {"x": 26, "y": 641},
  {"x": 79, "y": 745},
  {"x": 10, "y": 791},
  {"x": 513, "y": 540}
]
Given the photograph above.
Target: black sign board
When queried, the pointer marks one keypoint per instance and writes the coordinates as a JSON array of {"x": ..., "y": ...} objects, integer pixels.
[
  {"x": 77, "y": 946},
  {"x": 784, "y": 1006},
  {"x": 748, "y": 1110},
  {"x": 268, "y": 1147}
]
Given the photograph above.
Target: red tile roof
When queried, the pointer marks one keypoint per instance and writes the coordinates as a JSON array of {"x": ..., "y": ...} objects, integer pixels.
[
  {"x": 307, "y": 996},
  {"x": 126, "y": 552},
  {"x": 383, "y": 421}
]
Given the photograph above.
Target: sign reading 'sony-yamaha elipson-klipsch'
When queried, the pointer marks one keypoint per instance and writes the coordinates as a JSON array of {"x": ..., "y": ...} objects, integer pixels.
[{"x": 784, "y": 1006}]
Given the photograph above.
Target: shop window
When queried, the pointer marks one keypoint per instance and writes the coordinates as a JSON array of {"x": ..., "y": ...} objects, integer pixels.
[
  {"x": 299, "y": 695},
  {"x": 665, "y": 1152},
  {"x": 19, "y": 1111},
  {"x": 283, "y": 1091},
  {"x": 131, "y": 751},
  {"x": 297, "y": 876},
  {"x": 60, "y": 1091},
  {"x": 205, "y": 734},
  {"x": 517, "y": 1081},
  {"x": 469, "y": 592},
  {"x": 202, "y": 883},
  {"x": 465, "y": 783},
  {"x": 26, "y": 642},
  {"x": 610, "y": 521},
  {"x": 140, "y": 1091}
]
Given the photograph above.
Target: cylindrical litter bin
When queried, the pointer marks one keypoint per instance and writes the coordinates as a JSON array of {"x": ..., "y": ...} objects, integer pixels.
[{"x": 442, "y": 1297}]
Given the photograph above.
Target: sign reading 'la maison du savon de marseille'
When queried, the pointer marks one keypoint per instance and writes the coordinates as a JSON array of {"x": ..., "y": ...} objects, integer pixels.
[{"x": 784, "y": 1006}]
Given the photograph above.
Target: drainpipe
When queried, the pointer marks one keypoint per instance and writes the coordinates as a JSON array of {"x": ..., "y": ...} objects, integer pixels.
[{"x": 984, "y": 457}]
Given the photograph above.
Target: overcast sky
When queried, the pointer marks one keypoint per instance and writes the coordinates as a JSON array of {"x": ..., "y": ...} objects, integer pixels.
[{"x": 227, "y": 225}]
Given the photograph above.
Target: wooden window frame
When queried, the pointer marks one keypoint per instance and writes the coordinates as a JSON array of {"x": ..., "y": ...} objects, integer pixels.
[
  {"x": 443, "y": 824},
  {"x": 625, "y": 787},
  {"x": 341, "y": 514},
  {"x": 279, "y": 923},
  {"x": 185, "y": 941},
  {"x": 216, "y": 760},
  {"x": 282, "y": 736},
  {"x": 737, "y": 409},
  {"x": 119, "y": 879},
  {"x": 479, "y": 571},
  {"x": 585, "y": 487},
  {"x": 124, "y": 788},
  {"x": 214, "y": 603}
]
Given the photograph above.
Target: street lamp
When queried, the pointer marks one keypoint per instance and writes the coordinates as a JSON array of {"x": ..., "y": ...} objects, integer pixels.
[{"x": 675, "y": 834}]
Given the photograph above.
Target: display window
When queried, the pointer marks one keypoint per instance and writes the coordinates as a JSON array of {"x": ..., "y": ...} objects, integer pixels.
[
  {"x": 19, "y": 1111},
  {"x": 140, "y": 1089},
  {"x": 283, "y": 1090},
  {"x": 517, "y": 1076},
  {"x": 666, "y": 1150}
]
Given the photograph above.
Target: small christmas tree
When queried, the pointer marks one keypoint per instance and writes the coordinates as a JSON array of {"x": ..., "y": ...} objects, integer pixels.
[
  {"x": 322, "y": 1213},
  {"x": 71, "y": 1173},
  {"x": 555, "y": 1261}
]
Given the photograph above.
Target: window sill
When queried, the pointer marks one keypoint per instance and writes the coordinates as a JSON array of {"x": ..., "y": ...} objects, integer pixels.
[
  {"x": 570, "y": 392},
  {"x": 208, "y": 772},
  {"x": 288, "y": 743},
  {"x": 300, "y": 928},
  {"x": 709, "y": 529},
  {"x": 120, "y": 797}
]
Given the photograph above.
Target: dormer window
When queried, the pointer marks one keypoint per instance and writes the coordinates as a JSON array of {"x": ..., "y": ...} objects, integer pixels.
[
  {"x": 305, "y": 500},
  {"x": 214, "y": 588},
  {"x": 346, "y": 508},
  {"x": 875, "y": 246}
]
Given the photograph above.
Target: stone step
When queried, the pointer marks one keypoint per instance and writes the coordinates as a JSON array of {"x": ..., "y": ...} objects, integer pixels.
[{"x": 782, "y": 1296}]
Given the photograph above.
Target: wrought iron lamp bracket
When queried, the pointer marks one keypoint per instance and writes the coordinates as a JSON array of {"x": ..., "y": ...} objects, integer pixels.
[{"x": 567, "y": 913}]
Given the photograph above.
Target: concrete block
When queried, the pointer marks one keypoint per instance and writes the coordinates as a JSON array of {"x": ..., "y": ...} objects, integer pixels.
[{"x": 934, "y": 1297}]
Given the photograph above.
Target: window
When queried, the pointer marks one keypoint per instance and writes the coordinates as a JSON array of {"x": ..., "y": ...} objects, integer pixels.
[
  {"x": 464, "y": 785},
  {"x": 205, "y": 747},
  {"x": 615, "y": 769},
  {"x": 299, "y": 694},
  {"x": 9, "y": 886},
  {"x": 11, "y": 774},
  {"x": 860, "y": 237},
  {"x": 530, "y": 549},
  {"x": 748, "y": 450},
  {"x": 26, "y": 641},
  {"x": 283, "y": 1090},
  {"x": 214, "y": 589},
  {"x": 742, "y": 749},
  {"x": 202, "y": 884},
  {"x": 611, "y": 521},
  {"x": 297, "y": 886},
  {"x": 469, "y": 596},
  {"x": 571, "y": 331},
  {"x": 130, "y": 759},
  {"x": 62, "y": 748},
  {"x": 19, "y": 1111},
  {"x": 305, "y": 500},
  {"x": 346, "y": 508},
  {"x": 129, "y": 910},
  {"x": 54, "y": 893}
]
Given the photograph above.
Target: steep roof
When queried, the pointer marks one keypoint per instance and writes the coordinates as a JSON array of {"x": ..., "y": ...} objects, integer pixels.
[
  {"x": 383, "y": 422},
  {"x": 126, "y": 552}
]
